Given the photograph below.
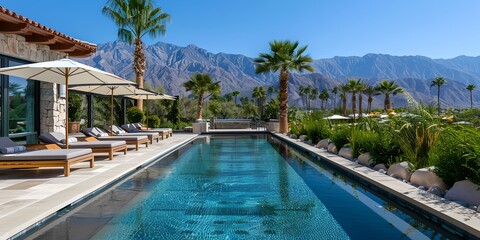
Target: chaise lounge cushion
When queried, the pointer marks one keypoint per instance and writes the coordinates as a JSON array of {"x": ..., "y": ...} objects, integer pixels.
[
  {"x": 124, "y": 138},
  {"x": 140, "y": 133},
  {"x": 59, "y": 154},
  {"x": 56, "y": 137}
]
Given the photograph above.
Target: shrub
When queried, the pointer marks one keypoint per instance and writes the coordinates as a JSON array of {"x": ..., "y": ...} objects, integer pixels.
[
  {"x": 456, "y": 156},
  {"x": 74, "y": 107},
  {"x": 167, "y": 124},
  {"x": 362, "y": 141},
  {"x": 340, "y": 136},
  {"x": 153, "y": 121},
  {"x": 135, "y": 114},
  {"x": 386, "y": 149},
  {"x": 315, "y": 127}
]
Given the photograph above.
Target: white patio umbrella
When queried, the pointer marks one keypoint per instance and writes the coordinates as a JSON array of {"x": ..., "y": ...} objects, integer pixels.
[
  {"x": 64, "y": 71},
  {"x": 112, "y": 90},
  {"x": 151, "y": 96},
  {"x": 336, "y": 117}
]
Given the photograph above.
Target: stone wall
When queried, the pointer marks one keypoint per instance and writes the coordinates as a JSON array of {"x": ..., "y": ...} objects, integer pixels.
[{"x": 52, "y": 107}]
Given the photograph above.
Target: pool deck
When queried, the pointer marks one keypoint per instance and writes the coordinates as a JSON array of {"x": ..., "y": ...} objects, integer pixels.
[
  {"x": 463, "y": 218},
  {"x": 29, "y": 195}
]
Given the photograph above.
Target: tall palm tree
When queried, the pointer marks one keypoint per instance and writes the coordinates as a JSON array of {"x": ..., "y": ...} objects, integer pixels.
[
  {"x": 135, "y": 19},
  {"x": 370, "y": 91},
  {"x": 270, "y": 91},
  {"x": 387, "y": 88},
  {"x": 324, "y": 96},
  {"x": 235, "y": 94},
  {"x": 353, "y": 87},
  {"x": 308, "y": 92},
  {"x": 313, "y": 96},
  {"x": 301, "y": 93},
  {"x": 470, "y": 88},
  {"x": 439, "y": 81},
  {"x": 335, "y": 91},
  {"x": 201, "y": 84},
  {"x": 284, "y": 57},
  {"x": 361, "y": 90},
  {"x": 259, "y": 95},
  {"x": 344, "y": 89}
]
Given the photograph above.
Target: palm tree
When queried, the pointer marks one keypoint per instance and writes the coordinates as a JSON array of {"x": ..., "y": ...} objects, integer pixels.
[
  {"x": 344, "y": 91},
  {"x": 270, "y": 91},
  {"x": 335, "y": 91},
  {"x": 470, "y": 88},
  {"x": 308, "y": 92},
  {"x": 370, "y": 91},
  {"x": 353, "y": 87},
  {"x": 439, "y": 81},
  {"x": 200, "y": 84},
  {"x": 135, "y": 19},
  {"x": 301, "y": 92},
  {"x": 314, "y": 95},
  {"x": 284, "y": 57},
  {"x": 259, "y": 95},
  {"x": 361, "y": 89},
  {"x": 235, "y": 94},
  {"x": 324, "y": 96},
  {"x": 387, "y": 88}
]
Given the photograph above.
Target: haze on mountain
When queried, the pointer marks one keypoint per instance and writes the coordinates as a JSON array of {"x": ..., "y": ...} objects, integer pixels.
[{"x": 169, "y": 66}]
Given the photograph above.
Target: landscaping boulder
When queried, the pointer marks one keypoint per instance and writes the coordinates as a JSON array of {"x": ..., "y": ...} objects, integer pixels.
[
  {"x": 426, "y": 177},
  {"x": 400, "y": 170},
  {"x": 366, "y": 159},
  {"x": 332, "y": 148},
  {"x": 293, "y": 136},
  {"x": 435, "y": 190},
  {"x": 302, "y": 137},
  {"x": 380, "y": 166},
  {"x": 323, "y": 143},
  {"x": 464, "y": 191},
  {"x": 346, "y": 153}
]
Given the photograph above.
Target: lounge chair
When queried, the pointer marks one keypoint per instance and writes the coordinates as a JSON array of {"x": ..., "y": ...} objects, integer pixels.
[
  {"x": 42, "y": 158},
  {"x": 120, "y": 132},
  {"x": 140, "y": 126},
  {"x": 97, "y": 147},
  {"x": 132, "y": 129},
  {"x": 98, "y": 134}
]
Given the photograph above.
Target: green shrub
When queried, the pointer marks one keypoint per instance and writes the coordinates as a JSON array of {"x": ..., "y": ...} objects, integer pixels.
[
  {"x": 135, "y": 114},
  {"x": 181, "y": 125},
  {"x": 167, "y": 124},
  {"x": 362, "y": 141},
  {"x": 153, "y": 121},
  {"x": 386, "y": 149},
  {"x": 340, "y": 136},
  {"x": 456, "y": 156},
  {"x": 74, "y": 107},
  {"x": 315, "y": 127}
]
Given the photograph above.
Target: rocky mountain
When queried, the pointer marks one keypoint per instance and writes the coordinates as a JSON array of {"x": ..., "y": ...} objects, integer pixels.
[{"x": 170, "y": 65}]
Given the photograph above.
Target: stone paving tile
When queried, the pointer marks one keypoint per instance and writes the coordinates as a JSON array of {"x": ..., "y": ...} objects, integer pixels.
[{"x": 25, "y": 185}]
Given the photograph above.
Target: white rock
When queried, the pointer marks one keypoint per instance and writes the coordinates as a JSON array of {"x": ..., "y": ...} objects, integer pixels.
[
  {"x": 332, "y": 148},
  {"x": 346, "y": 153},
  {"x": 464, "y": 191},
  {"x": 478, "y": 209},
  {"x": 382, "y": 171},
  {"x": 365, "y": 159},
  {"x": 427, "y": 178},
  {"x": 293, "y": 136},
  {"x": 379, "y": 167},
  {"x": 436, "y": 191},
  {"x": 400, "y": 170},
  {"x": 302, "y": 137},
  {"x": 323, "y": 143},
  {"x": 422, "y": 188}
]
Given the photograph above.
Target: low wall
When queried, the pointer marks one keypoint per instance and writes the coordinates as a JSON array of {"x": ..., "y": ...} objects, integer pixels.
[{"x": 232, "y": 123}]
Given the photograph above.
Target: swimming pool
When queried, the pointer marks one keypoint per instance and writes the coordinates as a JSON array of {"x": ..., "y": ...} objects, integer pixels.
[{"x": 238, "y": 187}]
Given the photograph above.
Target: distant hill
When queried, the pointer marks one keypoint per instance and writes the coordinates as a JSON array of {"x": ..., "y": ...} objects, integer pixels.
[{"x": 169, "y": 65}]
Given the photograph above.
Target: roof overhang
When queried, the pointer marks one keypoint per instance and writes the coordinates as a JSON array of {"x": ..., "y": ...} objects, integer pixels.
[{"x": 12, "y": 23}]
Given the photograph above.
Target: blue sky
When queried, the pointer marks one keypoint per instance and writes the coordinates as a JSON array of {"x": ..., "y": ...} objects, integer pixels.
[{"x": 432, "y": 28}]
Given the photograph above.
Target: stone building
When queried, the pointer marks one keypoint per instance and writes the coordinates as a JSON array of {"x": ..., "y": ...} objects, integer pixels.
[{"x": 29, "y": 107}]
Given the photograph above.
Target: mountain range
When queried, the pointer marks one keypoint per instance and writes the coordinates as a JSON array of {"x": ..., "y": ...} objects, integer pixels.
[{"x": 169, "y": 66}]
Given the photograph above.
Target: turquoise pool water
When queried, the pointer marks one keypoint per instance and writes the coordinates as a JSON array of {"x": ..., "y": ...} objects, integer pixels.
[{"x": 240, "y": 187}]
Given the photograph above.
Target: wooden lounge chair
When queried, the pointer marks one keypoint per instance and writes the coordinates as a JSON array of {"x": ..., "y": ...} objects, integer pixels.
[
  {"x": 120, "y": 132},
  {"x": 140, "y": 126},
  {"x": 100, "y": 135},
  {"x": 130, "y": 128},
  {"x": 43, "y": 158},
  {"x": 97, "y": 147}
]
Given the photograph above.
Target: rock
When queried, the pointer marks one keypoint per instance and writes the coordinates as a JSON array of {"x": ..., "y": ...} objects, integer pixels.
[
  {"x": 293, "y": 136},
  {"x": 379, "y": 167},
  {"x": 323, "y": 143},
  {"x": 400, "y": 170},
  {"x": 302, "y": 137},
  {"x": 309, "y": 142},
  {"x": 382, "y": 171},
  {"x": 332, "y": 148},
  {"x": 365, "y": 159},
  {"x": 426, "y": 177},
  {"x": 435, "y": 190},
  {"x": 422, "y": 188},
  {"x": 464, "y": 191},
  {"x": 346, "y": 153},
  {"x": 478, "y": 209}
]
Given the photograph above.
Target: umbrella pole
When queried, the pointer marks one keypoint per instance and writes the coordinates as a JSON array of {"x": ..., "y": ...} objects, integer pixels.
[
  {"x": 111, "y": 112},
  {"x": 66, "y": 107},
  {"x": 147, "y": 111}
]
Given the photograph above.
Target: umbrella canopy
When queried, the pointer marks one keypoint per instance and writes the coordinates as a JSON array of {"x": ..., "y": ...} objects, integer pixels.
[
  {"x": 152, "y": 96},
  {"x": 64, "y": 71},
  {"x": 336, "y": 117},
  {"x": 112, "y": 90}
]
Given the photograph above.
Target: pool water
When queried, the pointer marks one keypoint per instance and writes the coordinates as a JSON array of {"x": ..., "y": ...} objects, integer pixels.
[{"x": 242, "y": 187}]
